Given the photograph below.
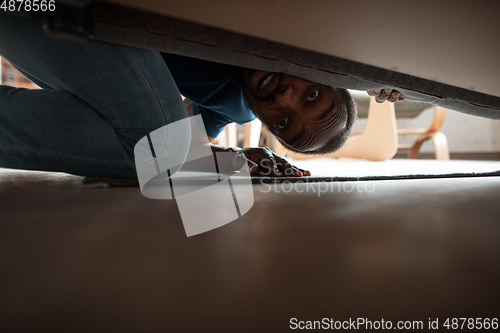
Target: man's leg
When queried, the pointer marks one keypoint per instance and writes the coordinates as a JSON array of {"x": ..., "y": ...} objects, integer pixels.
[{"x": 104, "y": 98}]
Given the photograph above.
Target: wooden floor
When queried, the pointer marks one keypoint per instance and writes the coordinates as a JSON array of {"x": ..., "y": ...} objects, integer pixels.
[{"x": 75, "y": 259}]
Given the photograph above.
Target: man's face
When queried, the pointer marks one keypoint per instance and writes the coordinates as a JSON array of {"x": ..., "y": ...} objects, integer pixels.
[{"x": 301, "y": 113}]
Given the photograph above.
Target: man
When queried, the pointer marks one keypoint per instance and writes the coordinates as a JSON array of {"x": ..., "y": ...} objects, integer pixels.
[{"x": 98, "y": 100}]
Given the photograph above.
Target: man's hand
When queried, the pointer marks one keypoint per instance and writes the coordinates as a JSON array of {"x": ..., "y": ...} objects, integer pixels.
[
  {"x": 382, "y": 95},
  {"x": 265, "y": 162}
]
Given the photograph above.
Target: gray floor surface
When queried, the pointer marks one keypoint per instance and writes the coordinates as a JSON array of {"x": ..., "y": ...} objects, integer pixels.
[{"x": 76, "y": 259}]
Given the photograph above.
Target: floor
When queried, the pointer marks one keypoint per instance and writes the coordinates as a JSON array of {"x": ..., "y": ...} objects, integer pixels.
[{"x": 76, "y": 259}]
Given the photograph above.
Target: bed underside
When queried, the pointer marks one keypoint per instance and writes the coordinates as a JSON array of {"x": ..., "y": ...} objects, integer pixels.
[{"x": 133, "y": 27}]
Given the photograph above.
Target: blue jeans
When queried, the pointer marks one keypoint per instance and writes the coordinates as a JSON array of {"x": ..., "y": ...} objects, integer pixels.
[{"x": 97, "y": 101}]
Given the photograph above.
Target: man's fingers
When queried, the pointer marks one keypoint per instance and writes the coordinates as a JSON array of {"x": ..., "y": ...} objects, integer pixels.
[
  {"x": 252, "y": 166},
  {"x": 384, "y": 95},
  {"x": 290, "y": 170},
  {"x": 265, "y": 162},
  {"x": 285, "y": 167},
  {"x": 394, "y": 97},
  {"x": 375, "y": 92},
  {"x": 305, "y": 172},
  {"x": 271, "y": 167},
  {"x": 301, "y": 172}
]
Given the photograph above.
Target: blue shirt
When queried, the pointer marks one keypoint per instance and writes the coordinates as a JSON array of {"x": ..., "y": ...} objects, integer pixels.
[{"x": 209, "y": 86}]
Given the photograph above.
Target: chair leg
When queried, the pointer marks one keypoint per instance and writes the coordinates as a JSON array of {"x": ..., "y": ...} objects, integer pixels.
[
  {"x": 440, "y": 145},
  {"x": 253, "y": 130},
  {"x": 415, "y": 148},
  {"x": 232, "y": 135},
  {"x": 221, "y": 140}
]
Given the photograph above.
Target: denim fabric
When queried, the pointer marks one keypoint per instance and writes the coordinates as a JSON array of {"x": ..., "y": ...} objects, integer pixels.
[{"x": 97, "y": 101}]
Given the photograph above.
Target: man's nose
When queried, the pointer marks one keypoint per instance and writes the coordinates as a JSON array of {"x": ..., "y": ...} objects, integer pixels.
[{"x": 284, "y": 98}]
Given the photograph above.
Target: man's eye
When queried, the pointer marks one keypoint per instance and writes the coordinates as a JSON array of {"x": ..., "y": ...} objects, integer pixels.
[
  {"x": 282, "y": 124},
  {"x": 313, "y": 96}
]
